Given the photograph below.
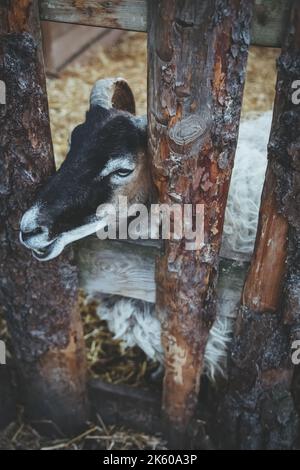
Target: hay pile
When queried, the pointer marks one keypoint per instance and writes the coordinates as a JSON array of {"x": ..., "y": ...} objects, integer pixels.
[
  {"x": 260, "y": 82},
  {"x": 68, "y": 98},
  {"x": 107, "y": 358}
]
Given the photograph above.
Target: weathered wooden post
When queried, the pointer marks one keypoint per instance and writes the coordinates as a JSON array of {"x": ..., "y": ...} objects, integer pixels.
[
  {"x": 258, "y": 410},
  {"x": 197, "y": 54},
  {"x": 40, "y": 300},
  {"x": 8, "y": 409}
]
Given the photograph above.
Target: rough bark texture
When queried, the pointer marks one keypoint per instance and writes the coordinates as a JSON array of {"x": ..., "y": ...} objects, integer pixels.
[
  {"x": 7, "y": 397},
  {"x": 258, "y": 411},
  {"x": 197, "y": 54},
  {"x": 40, "y": 300},
  {"x": 263, "y": 288}
]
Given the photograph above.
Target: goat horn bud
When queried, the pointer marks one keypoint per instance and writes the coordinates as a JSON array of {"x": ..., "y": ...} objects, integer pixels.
[{"x": 113, "y": 93}]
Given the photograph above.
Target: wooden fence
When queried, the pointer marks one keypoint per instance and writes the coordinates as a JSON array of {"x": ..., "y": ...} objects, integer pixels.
[{"x": 197, "y": 56}]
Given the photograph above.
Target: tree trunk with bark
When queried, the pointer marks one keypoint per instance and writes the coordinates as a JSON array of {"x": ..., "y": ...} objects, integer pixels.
[
  {"x": 40, "y": 300},
  {"x": 197, "y": 55},
  {"x": 258, "y": 410},
  {"x": 8, "y": 409}
]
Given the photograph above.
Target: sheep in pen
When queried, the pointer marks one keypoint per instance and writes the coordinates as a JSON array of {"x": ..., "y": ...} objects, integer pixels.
[
  {"x": 108, "y": 157},
  {"x": 197, "y": 304}
]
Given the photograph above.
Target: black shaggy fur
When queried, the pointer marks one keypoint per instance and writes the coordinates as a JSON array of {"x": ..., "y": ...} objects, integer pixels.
[{"x": 105, "y": 135}]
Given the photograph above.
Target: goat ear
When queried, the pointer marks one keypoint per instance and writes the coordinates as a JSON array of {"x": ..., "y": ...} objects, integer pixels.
[{"x": 113, "y": 93}]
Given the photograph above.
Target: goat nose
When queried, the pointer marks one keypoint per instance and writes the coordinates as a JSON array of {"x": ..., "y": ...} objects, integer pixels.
[
  {"x": 27, "y": 234},
  {"x": 32, "y": 231}
]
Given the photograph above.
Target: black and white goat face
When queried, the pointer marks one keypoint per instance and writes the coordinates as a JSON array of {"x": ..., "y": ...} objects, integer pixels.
[{"x": 107, "y": 158}]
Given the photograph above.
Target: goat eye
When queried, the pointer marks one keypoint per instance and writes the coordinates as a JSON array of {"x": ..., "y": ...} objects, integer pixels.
[{"x": 123, "y": 172}]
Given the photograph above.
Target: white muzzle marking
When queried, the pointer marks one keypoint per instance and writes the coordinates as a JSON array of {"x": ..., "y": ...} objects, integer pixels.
[{"x": 44, "y": 249}]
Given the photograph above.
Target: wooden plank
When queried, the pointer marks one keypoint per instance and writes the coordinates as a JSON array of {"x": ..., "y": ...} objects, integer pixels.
[
  {"x": 128, "y": 269},
  {"x": 63, "y": 42},
  {"x": 139, "y": 409},
  {"x": 122, "y": 405},
  {"x": 56, "y": 29},
  {"x": 270, "y": 16},
  {"x": 120, "y": 14},
  {"x": 118, "y": 268}
]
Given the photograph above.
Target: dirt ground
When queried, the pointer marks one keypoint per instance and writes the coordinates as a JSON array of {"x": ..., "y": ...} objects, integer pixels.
[{"x": 68, "y": 99}]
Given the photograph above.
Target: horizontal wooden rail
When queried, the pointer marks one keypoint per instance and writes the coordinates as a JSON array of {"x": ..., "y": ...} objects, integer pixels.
[
  {"x": 270, "y": 16},
  {"x": 128, "y": 269},
  {"x": 120, "y": 14},
  {"x": 139, "y": 409}
]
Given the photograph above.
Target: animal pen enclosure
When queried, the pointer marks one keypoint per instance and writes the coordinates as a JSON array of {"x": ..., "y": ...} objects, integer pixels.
[{"x": 197, "y": 55}]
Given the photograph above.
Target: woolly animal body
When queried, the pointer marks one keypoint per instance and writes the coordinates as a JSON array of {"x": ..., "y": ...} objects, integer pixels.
[
  {"x": 134, "y": 321},
  {"x": 107, "y": 158}
]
